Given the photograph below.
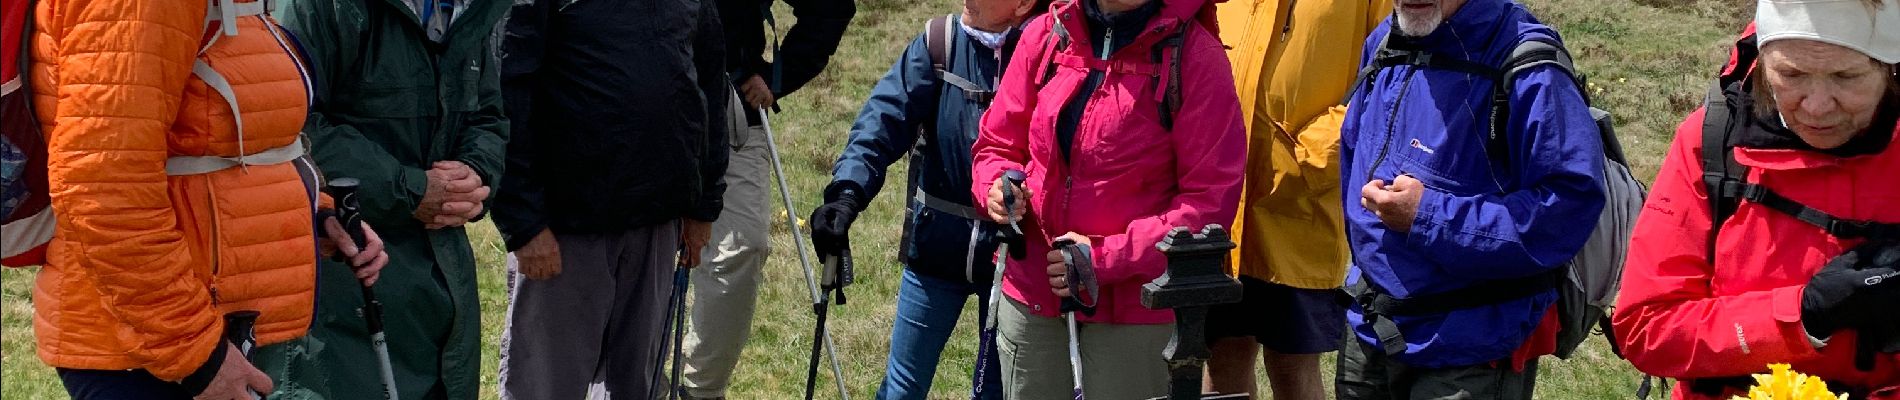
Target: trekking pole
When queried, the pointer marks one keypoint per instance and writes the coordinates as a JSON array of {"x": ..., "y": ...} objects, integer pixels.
[
  {"x": 349, "y": 212},
  {"x": 1006, "y": 237},
  {"x": 239, "y": 329},
  {"x": 675, "y": 322},
  {"x": 681, "y": 279},
  {"x": 819, "y": 299},
  {"x": 1081, "y": 284}
]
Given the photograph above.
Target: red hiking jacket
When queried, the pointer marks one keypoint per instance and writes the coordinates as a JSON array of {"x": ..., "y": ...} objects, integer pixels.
[{"x": 1681, "y": 317}]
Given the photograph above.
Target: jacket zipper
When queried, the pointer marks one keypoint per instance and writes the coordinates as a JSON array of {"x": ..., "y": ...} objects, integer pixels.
[
  {"x": 216, "y": 255},
  {"x": 1391, "y": 123},
  {"x": 1068, "y": 180}
]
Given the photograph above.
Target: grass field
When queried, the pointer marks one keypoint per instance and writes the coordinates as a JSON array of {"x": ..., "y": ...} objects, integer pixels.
[{"x": 1648, "y": 60}]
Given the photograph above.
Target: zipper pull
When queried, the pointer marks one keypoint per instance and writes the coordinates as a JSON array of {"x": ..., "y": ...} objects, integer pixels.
[{"x": 1108, "y": 41}]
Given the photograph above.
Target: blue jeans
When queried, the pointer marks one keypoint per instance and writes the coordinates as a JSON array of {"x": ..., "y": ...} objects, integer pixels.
[{"x": 927, "y": 312}]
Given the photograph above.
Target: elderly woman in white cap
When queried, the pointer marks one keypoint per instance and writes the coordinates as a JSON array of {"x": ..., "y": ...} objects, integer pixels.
[{"x": 1772, "y": 233}]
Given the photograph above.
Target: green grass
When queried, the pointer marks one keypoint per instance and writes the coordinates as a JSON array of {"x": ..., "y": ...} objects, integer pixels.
[{"x": 1649, "y": 59}]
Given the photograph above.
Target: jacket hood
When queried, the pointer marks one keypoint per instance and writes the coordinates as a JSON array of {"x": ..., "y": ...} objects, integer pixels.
[{"x": 1171, "y": 11}]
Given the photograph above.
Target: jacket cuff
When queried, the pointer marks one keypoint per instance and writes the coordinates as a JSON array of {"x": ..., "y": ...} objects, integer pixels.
[
  {"x": 317, "y": 220},
  {"x": 200, "y": 378},
  {"x": 836, "y": 190},
  {"x": 1424, "y": 231},
  {"x": 411, "y": 185},
  {"x": 707, "y": 209},
  {"x": 518, "y": 237}
]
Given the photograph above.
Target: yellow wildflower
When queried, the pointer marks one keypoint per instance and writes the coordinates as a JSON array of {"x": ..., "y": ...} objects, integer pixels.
[{"x": 1782, "y": 383}]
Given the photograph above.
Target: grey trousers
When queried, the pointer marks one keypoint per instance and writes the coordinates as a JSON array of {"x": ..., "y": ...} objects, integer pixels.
[
  {"x": 726, "y": 288},
  {"x": 1366, "y": 374},
  {"x": 597, "y": 330}
]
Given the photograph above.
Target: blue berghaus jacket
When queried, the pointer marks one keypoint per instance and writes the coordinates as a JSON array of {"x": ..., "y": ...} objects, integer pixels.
[{"x": 1476, "y": 221}]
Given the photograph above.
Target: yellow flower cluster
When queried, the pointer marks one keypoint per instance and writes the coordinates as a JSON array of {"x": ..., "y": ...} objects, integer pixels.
[
  {"x": 1782, "y": 383},
  {"x": 802, "y": 224}
]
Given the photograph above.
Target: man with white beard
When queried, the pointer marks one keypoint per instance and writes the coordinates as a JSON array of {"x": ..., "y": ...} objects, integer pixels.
[{"x": 1460, "y": 212}]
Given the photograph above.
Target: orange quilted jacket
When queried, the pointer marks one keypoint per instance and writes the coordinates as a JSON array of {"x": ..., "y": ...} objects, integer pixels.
[{"x": 144, "y": 265}]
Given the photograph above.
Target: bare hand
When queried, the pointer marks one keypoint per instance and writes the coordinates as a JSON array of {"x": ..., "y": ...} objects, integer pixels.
[
  {"x": 756, "y": 94},
  {"x": 540, "y": 258},
  {"x": 1396, "y": 204},
  {"x": 1020, "y": 207},
  {"x": 693, "y": 237},
  {"x": 454, "y": 196},
  {"x": 1058, "y": 270},
  {"x": 236, "y": 379},
  {"x": 367, "y": 262}
]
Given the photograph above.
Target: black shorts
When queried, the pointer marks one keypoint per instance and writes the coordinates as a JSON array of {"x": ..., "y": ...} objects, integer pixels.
[{"x": 1285, "y": 319}]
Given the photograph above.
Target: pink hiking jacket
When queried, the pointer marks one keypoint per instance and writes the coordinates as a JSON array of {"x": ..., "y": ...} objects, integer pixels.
[{"x": 1130, "y": 180}]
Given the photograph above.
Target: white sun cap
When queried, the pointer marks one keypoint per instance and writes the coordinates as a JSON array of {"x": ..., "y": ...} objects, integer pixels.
[{"x": 1849, "y": 23}]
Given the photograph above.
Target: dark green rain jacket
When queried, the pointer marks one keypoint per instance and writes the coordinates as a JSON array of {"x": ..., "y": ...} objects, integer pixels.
[{"x": 389, "y": 103}]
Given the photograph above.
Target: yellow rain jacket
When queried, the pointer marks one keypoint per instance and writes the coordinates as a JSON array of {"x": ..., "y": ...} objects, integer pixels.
[{"x": 1294, "y": 60}]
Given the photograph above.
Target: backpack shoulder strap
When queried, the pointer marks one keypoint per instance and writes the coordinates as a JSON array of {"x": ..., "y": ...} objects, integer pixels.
[
  {"x": 1722, "y": 176},
  {"x": 1054, "y": 43},
  {"x": 937, "y": 34},
  {"x": 939, "y": 37},
  {"x": 1168, "y": 54},
  {"x": 1365, "y": 73},
  {"x": 1528, "y": 54}
]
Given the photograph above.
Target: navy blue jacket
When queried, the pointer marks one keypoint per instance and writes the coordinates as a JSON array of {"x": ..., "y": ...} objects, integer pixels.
[{"x": 910, "y": 107}]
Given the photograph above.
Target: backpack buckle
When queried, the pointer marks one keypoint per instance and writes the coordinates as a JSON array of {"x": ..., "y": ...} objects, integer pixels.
[
  {"x": 1848, "y": 228},
  {"x": 1754, "y": 193}
]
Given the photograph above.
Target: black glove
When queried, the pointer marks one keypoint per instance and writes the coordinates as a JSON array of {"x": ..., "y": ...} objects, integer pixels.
[
  {"x": 831, "y": 223},
  {"x": 1856, "y": 290}
]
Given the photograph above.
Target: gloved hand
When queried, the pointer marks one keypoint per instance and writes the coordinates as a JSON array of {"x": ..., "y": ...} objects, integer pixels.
[
  {"x": 1857, "y": 289},
  {"x": 831, "y": 223}
]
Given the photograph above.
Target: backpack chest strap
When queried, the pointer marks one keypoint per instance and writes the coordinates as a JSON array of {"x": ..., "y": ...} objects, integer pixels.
[
  {"x": 1838, "y": 227},
  {"x": 198, "y": 165},
  {"x": 1126, "y": 67},
  {"x": 971, "y": 90}
]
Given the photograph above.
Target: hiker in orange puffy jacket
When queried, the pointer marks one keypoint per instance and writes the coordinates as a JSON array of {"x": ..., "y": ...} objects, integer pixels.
[
  {"x": 1807, "y": 113},
  {"x": 1084, "y": 122},
  {"x": 180, "y": 196}
]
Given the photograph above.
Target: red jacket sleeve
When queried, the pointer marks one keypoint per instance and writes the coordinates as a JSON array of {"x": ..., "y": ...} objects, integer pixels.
[
  {"x": 1210, "y": 158},
  {"x": 1669, "y": 321}
]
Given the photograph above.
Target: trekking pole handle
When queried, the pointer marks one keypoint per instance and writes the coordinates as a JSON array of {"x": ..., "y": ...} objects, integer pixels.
[
  {"x": 348, "y": 209},
  {"x": 1079, "y": 277},
  {"x": 1015, "y": 178}
]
